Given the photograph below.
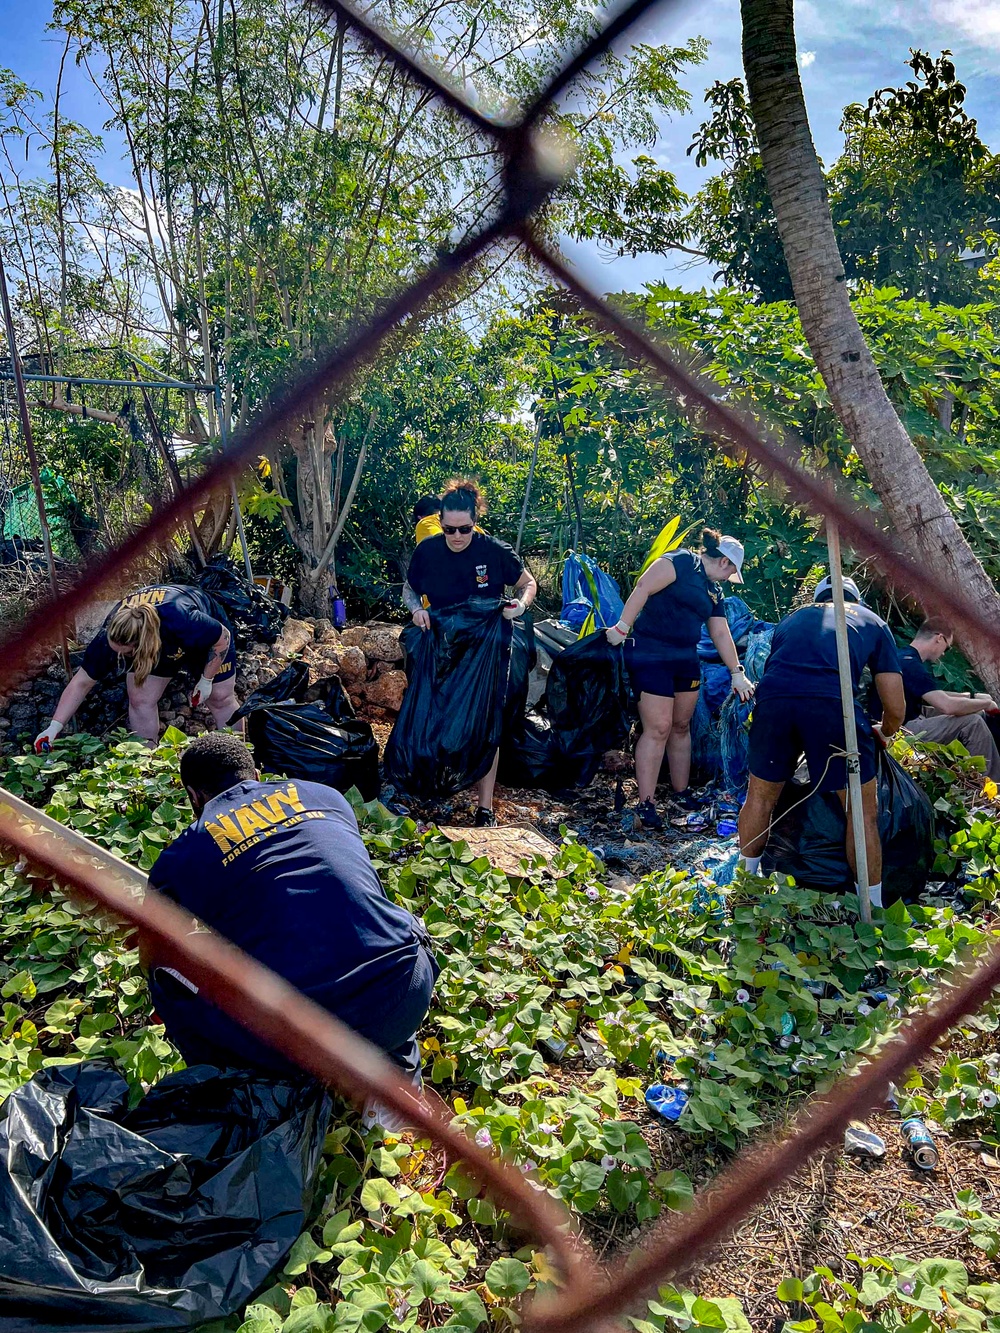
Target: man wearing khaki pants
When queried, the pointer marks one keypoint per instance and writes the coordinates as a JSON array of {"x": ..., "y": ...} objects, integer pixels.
[{"x": 955, "y": 717}]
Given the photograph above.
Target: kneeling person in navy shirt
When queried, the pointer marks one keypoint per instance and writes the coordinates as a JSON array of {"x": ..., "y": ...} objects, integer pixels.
[{"x": 280, "y": 869}]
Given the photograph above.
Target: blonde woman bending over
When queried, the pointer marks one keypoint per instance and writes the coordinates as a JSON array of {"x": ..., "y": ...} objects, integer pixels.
[{"x": 153, "y": 634}]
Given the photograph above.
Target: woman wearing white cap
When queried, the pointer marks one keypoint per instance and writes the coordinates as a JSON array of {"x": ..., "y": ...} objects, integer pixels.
[{"x": 673, "y": 599}]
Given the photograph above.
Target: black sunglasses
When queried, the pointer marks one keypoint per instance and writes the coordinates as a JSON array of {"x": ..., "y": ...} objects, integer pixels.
[{"x": 464, "y": 529}]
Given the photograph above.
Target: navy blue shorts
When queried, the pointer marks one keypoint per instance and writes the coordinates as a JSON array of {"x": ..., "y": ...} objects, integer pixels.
[
  {"x": 782, "y": 730},
  {"x": 652, "y": 673},
  {"x": 205, "y": 1035}
]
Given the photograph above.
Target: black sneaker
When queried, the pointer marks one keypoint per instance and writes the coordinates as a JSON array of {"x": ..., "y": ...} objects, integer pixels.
[
  {"x": 648, "y": 816},
  {"x": 686, "y": 800},
  {"x": 485, "y": 819}
]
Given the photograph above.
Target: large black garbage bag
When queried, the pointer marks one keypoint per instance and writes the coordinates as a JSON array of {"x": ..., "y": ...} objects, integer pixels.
[
  {"x": 523, "y": 660},
  {"x": 809, "y": 842},
  {"x": 253, "y": 616},
  {"x": 452, "y": 716},
  {"x": 162, "y": 1217},
  {"x": 304, "y": 741},
  {"x": 291, "y": 683},
  {"x": 587, "y": 705}
]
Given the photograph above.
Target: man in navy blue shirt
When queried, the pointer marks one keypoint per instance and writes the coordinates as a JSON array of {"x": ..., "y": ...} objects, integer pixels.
[
  {"x": 280, "y": 869},
  {"x": 956, "y": 717},
  {"x": 797, "y": 709}
]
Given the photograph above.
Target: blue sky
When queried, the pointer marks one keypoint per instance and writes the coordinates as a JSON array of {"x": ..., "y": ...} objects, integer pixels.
[{"x": 848, "y": 48}]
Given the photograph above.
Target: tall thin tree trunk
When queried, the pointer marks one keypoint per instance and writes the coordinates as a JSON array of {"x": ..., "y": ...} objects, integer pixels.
[{"x": 913, "y": 505}]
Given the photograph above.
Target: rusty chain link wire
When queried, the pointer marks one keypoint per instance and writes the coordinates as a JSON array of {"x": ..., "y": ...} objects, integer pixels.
[{"x": 307, "y": 1034}]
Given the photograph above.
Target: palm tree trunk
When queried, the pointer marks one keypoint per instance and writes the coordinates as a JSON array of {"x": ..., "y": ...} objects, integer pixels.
[{"x": 914, "y": 507}]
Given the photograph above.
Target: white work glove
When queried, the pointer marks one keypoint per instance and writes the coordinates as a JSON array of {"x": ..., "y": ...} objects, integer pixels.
[
  {"x": 201, "y": 692},
  {"x": 513, "y": 610},
  {"x": 422, "y": 619},
  {"x": 45, "y": 739},
  {"x": 617, "y": 634},
  {"x": 742, "y": 685}
]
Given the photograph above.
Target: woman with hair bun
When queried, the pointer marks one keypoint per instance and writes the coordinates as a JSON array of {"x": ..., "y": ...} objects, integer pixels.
[
  {"x": 153, "y": 634},
  {"x": 460, "y": 563},
  {"x": 665, "y": 612}
]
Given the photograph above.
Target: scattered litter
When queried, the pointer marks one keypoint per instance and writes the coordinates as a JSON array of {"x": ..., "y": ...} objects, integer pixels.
[
  {"x": 859, "y": 1139},
  {"x": 554, "y": 1046},
  {"x": 727, "y": 828},
  {"x": 666, "y": 1101},
  {"x": 920, "y": 1144},
  {"x": 595, "y": 1053},
  {"x": 696, "y": 822}
]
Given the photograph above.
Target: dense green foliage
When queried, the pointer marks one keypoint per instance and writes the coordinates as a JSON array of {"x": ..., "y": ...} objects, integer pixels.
[{"x": 668, "y": 978}]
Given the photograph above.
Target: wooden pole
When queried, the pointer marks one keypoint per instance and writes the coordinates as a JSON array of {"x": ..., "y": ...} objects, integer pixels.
[
  {"x": 855, "y": 809},
  {"x": 29, "y": 445}
]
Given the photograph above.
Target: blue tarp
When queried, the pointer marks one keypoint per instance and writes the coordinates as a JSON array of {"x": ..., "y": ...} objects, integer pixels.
[
  {"x": 719, "y": 739},
  {"x": 582, "y": 594}
]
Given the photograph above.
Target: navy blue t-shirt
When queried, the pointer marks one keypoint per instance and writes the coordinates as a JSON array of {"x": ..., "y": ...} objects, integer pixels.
[
  {"x": 280, "y": 869},
  {"x": 673, "y": 617},
  {"x": 191, "y": 622},
  {"x": 917, "y": 681},
  {"x": 803, "y": 658},
  {"x": 484, "y": 569}
]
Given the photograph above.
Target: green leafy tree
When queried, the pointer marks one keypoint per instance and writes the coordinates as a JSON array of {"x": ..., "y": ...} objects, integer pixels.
[
  {"x": 732, "y": 215},
  {"x": 916, "y": 188}
]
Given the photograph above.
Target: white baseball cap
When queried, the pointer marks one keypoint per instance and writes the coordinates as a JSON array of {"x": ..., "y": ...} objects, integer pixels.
[
  {"x": 824, "y": 591},
  {"x": 732, "y": 548}
]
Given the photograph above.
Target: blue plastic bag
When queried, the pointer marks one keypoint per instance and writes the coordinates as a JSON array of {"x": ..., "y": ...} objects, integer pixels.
[
  {"x": 586, "y": 588},
  {"x": 741, "y": 621}
]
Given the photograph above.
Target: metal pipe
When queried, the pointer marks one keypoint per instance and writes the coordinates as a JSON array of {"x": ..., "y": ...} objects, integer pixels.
[
  {"x": 224, "y": 441},
  {"x": 108, "y": 384},
  {"x": 167, "y": 381},
  {"x": 855, "y": 809},
  {"x": 29, "y": 446}
]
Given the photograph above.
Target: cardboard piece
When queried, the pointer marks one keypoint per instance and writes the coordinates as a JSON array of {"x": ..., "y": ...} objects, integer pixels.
[{"x": 506, "y": 846}]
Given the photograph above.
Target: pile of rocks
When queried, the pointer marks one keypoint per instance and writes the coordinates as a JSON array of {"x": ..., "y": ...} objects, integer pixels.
[{"x": 366, "y": 658}]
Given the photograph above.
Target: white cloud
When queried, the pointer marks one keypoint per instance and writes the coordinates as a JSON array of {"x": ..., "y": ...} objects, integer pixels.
[
  {"x": 807, "y": 58},
  {"x": 977, "y": 19}
]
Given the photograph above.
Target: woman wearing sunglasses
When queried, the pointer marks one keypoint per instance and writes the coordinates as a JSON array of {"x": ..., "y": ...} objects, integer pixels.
[{"x": 461, "y": 563}]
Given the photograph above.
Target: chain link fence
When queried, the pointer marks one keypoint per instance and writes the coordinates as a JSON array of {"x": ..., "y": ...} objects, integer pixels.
[{"x": 590, "y": 1297}]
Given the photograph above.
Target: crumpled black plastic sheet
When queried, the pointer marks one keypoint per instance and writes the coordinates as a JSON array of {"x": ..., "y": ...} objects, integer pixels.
[
  {"x": 809, "y": 844},
  {"x": 587, "y": 707},
  {"x": 163, "y": 1217},
  {"x": 462, "y": 674}
]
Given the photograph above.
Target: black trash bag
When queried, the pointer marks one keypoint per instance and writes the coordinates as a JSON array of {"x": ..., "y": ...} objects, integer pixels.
[
  {"x": 163, "y": 1217},
  {"x": 330, "y": 692},
  {"x": 523, "y": 660},
  {"x": 452, "y": 717},
  {"x": 255, "y": 618},
  {"x": 810, "y": 842},
  {"x": 587, "y": 700},
  {"x": 292, "y": 683},
  {"x": 304, "y": 741}
]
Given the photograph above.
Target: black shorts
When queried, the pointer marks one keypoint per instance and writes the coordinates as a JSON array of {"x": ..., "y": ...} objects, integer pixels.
[
  {"x": 169, "y": 666},
  {"x": 782, "y": 730},
  {"x": 652, "y": 673}
]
